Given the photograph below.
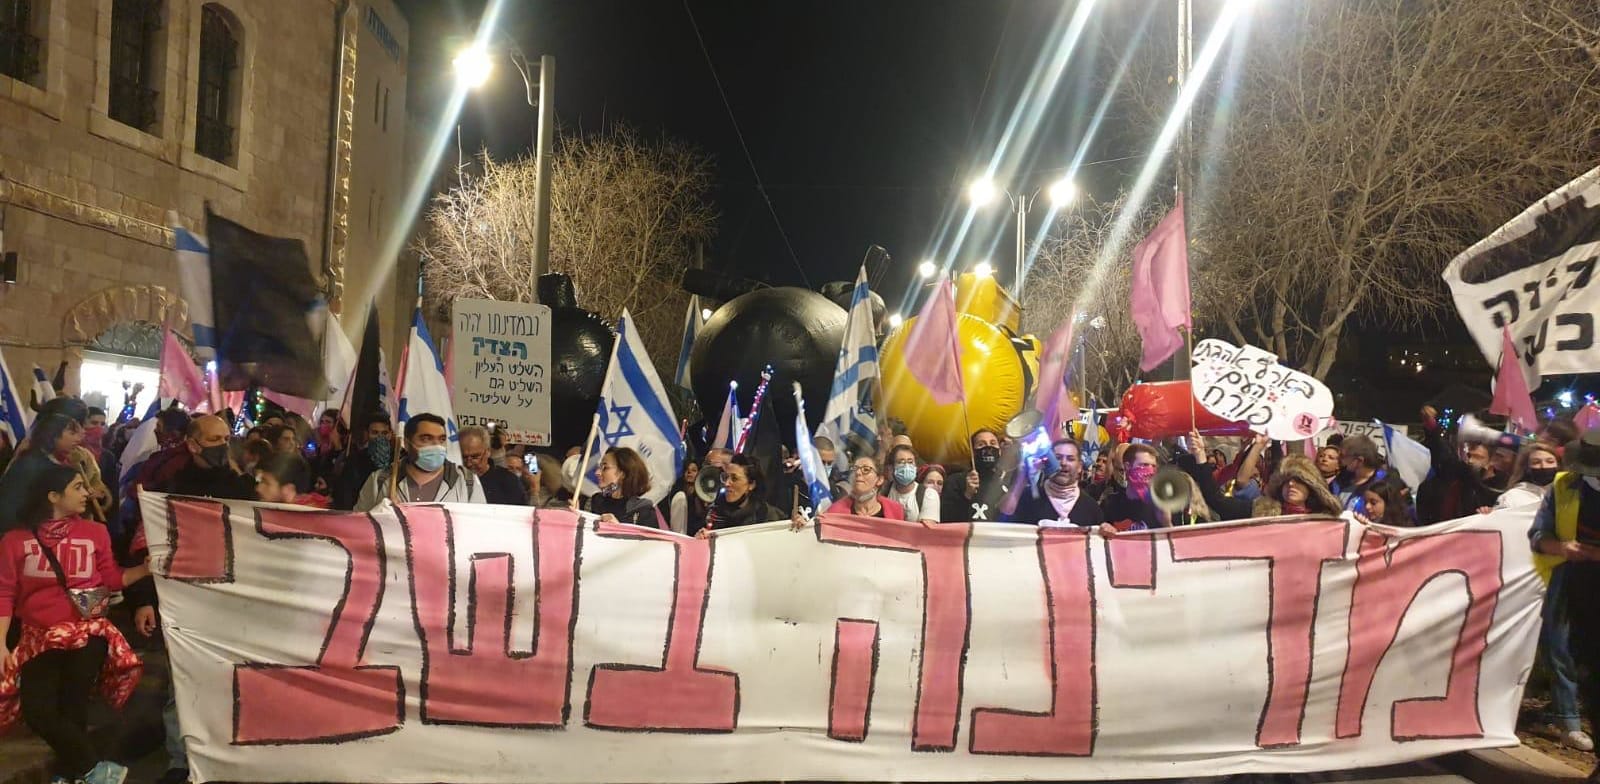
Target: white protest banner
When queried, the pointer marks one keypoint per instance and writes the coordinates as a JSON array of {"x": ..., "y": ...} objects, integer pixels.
[
  {"x": 1348, "y": 428},
  {"x": 1532, "y": 276},
  {"x": 1246, "y": 384},
  {"x": 502, "y": 368},
  {"x": 468, "y": 643}
]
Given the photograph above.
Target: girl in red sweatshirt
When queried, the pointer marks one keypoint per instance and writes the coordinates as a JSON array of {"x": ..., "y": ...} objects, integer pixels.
[{"x": 62, "y": 656}]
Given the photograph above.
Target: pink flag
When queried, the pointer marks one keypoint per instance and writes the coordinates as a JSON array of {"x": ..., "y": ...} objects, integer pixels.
[
  {"x": 180, "y": 377},
  {"x": 1160, "y": 300},
  {"x": 933, "y": 352},
  {"x": 1587, "y": 418},
  {"x": 1054, "y": 366},
  {"x": 1511, "y": 395}
]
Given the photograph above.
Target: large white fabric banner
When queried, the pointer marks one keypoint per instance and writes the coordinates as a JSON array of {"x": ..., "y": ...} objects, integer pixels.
[{"x": 491, "y": 644}]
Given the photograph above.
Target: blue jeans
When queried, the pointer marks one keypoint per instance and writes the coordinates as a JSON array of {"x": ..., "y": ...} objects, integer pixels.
[
  {"x": 1556, "y": 655},
  {"x": 177, "y": 756}
]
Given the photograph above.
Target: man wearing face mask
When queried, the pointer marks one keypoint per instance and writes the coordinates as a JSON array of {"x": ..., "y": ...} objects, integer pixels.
[
  {"x": 211, "y": 472},
  {"x": 427, "y": 476},
  {"x": 963, "y": 503},
  {"x": 1059, "y": 501},
  {"x": 373, "y": 452},
  {"x": 1566, "y": 543}
]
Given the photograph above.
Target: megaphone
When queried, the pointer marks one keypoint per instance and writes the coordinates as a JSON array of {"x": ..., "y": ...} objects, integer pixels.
[
  {"x": 1170, "y": 490},
  {"x": 1473, "y": 430},
  {"x": 708, "y": 484},
  {"x": 1023, "y": 424}
]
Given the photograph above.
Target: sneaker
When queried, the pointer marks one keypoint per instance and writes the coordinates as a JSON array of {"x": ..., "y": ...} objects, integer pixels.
[
  {"x": 1577, "y": 739},
  {"x": 106, "y": 772},
  {"x": 174, "y": 776}
]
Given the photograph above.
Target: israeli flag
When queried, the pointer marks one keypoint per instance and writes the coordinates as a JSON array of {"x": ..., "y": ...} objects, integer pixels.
[
  {"x": 810, "y": 462},
  {"x": 43, "y": 390},
  {"x": 692, "y": 322},
  {"x": 194, "y": 275},
  {"x": 15, "y": 416},
  {"x": 422, "y": 386},
  {"x": 850, "y": 406},
  {"x": 1411, "y": 460},
  {"x": 729, "y": 427},
  {"x": 634, "y": 413}
]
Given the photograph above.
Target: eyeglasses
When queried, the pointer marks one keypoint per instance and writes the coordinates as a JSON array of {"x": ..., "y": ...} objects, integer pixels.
[{"x": 865, "y": 469}]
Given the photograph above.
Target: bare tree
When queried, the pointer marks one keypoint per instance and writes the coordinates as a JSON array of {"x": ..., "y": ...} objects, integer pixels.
[
  {"x": 625, "y": 216},
  {"x": 1355, "y": 146},
  {"x": 1062, "y": 284}
]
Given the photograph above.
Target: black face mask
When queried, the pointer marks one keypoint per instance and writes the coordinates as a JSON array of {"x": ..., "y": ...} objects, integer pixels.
[
  {"x": 214, "y": 456},
  {"x": 987, "y": 457},
  {"x": 1540, "y": 476}
]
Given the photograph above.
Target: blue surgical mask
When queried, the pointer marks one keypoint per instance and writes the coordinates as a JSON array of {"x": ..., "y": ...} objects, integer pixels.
[
  {"x": 905, "y": 474},
  {"x": 430, "y": 458}
]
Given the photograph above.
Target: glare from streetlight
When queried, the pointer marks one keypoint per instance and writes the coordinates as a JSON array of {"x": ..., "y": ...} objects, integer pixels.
[
  {"x": 705, "y": 314},
  {"x": 473, "y": 66},
  {"x": 983, "y": 270},
  {"x": 982, "y": 191},
  {"x": 1063, "y": 192},
  {"x": 927, "y": 269},
  {"x": 895, "y": 320}
]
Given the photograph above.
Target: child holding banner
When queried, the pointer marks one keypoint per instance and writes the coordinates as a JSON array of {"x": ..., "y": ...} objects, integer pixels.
[{"x": 56, "y": 575}]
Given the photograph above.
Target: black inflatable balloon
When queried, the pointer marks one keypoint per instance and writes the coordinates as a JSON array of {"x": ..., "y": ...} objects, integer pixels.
[
  {"x": 796, "y": 331},
  {"x": 580, "y": 348},
  {"x": 840, "y": 292}
]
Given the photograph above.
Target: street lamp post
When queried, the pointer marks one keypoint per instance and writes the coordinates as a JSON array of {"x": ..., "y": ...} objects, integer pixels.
[
  {"x": 473, "y": 66},
  {"x": 983, "y": 191}
]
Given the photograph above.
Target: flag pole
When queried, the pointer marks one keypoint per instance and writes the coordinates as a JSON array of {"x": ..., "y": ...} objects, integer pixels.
[
  {"x": 1188, "y": 344},
  {"x": 583, "y": 465}
]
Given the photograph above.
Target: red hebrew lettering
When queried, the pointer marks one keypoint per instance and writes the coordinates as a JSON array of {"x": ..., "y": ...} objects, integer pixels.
[
  {"x": 855, "y": 664},
  {"x": 946, "y": 614},
  {"x": 1068, "y": 728},
  {"x": 338, "y": 698},
  {"x": 680, "y": 695},
  {"x": 1131, "y": 561},
  {"x": 1387, "y": 582},
  {"x": 1295, "y": 553},
  {"x": 199, "y": 541},
  {"x": 466, "y": 684}
]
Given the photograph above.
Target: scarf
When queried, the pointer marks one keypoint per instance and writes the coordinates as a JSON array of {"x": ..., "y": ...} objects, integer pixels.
[{"x": 1062, "y": 498}]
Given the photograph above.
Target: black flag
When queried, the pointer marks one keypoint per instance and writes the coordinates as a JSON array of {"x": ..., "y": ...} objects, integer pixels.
[
  {"x": 270, "y": 315},
  {"x": 364, "y": 397}
]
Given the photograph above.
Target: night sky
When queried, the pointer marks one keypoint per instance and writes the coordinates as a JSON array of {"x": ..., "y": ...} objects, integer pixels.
[{"x": 864, "y": 119}]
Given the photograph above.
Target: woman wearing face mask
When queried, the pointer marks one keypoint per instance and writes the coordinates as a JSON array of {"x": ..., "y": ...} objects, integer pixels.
[
  {"x": 52, "y": 442},
  {"x": 740, "y": 502},
  {"x": 624, "y": 479},
  {"x": 864, "y": 499},
  {"x": 1531, "y": 475},
  {"x": 903, "y": 488},
  {"x": 1131, "y": 505}
]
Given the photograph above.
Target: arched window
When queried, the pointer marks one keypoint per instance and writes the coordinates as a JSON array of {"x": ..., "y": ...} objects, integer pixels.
[
  {"x": 135, "y": 67},
  {"x": 217, "y": 110},
  {"x": 21, "y": 46}
]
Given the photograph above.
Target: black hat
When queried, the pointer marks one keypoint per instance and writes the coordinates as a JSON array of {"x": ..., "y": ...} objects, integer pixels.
[{"x": 1583, "y": 454}]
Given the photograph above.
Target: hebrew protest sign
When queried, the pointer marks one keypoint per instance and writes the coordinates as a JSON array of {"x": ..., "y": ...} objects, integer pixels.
[
  {"x": 465, "y": 643},
  {"x": 502, "y": 368},
  {"x": 1246, "y": 384},
  {"x": 1533, "y": 276}
]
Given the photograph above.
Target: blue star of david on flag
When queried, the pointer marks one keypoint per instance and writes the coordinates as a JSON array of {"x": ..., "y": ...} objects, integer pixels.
[
  {"x": 634, "y": 413},
  {"x": 621, "y": 430}
]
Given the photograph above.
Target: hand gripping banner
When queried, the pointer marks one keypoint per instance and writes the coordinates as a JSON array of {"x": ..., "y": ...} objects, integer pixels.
[{"x": 431, "y": 643}]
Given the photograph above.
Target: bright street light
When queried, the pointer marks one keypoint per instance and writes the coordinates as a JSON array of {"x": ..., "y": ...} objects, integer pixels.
[
  {"x": 983, "y": 270},
  {"x": 473, "y": 66},
  {"x": 895, "y": 320},
  {"x": 927, "y": 269},
  {"x": 705, "y": 314},
  {"x": 1062, "y": 192},
  {"x": 982, "y": 191}
]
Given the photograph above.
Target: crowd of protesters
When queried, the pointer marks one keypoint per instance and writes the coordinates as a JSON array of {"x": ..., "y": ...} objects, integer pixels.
[{"x": 75, "y": 538}]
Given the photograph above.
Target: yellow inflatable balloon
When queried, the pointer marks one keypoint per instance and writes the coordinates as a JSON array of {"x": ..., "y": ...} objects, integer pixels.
[{"x": 997, "y": 372}]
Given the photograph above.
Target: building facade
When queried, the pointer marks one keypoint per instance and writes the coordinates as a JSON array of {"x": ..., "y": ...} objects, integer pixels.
[{"x": 119, "y": 117}]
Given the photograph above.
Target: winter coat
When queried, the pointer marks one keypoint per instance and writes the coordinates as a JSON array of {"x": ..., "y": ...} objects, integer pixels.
[
  {"x": 459, "y": 487},
  {"x": 1319, "y": 500}
]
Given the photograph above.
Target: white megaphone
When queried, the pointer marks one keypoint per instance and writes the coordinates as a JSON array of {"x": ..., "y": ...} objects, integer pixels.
[{"x": 1474, "y": 431}]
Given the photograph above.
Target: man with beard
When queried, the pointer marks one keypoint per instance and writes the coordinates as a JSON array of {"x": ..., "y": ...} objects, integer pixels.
[
  {"x": 1057, "y": 501},
  {"x": 976, "y": 496}
]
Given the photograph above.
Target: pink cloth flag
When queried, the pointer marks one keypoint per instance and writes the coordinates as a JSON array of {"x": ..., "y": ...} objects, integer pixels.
[
  {"x": 1055, "y": 365},
  {"x": 1160, "y": 301},
  {"x": 1511, "y": 394},
  {"x": 180, "y": 376},
  {"x": 933, "y": 350}
]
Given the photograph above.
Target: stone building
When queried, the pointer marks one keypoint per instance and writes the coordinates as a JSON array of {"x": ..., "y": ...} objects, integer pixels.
[{"x": 115, "y": 115}]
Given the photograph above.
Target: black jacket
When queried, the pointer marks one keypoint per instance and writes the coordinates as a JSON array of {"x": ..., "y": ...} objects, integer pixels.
[
  {"x": 630, "y": 510},
  {"x": 1031, "y": 509},
  {"x": 956, "y": 507},
  {"x": 1226, "y": 507},
  {"x": 753, "y": 511},
  {"x": 349, "y": 477},
  {"x": 1118, "y": 507},
  {"x": 500, "y": 486}
]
